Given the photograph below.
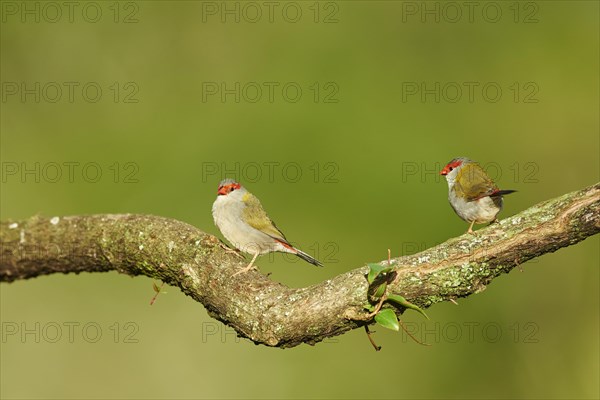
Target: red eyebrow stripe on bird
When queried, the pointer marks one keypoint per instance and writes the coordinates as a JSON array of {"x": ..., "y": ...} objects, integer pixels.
[
  {"x": 231, "y": 185},
  {"x": 450, "y": 165}
]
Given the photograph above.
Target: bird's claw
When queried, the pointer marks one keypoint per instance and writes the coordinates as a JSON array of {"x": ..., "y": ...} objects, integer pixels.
[
  {"x": 470, "y": 230},
  {"x": 231, "y": 251},
  {"x": 245, "y": 269}
]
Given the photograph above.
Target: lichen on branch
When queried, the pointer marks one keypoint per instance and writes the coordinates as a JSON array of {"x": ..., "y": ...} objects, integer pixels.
[{"x": 268, "y": 312}]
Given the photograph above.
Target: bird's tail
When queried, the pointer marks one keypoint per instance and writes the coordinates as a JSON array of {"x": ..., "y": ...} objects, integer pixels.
[
  {"x": 308, "y": 258},
  {"x": 503, "y": 192},
  {"x": 299, "y": 253}
]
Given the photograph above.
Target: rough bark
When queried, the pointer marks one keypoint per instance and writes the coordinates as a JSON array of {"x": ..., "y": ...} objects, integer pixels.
[{"x": 268, "y": 312}]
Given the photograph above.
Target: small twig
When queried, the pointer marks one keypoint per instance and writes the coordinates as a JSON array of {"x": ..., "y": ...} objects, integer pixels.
[
  {"x": 156, "y": 292},
  {"x": 377, "y": 308},
  {"x": 135, "y": 245},
  {"x": 377, "y": 348}
]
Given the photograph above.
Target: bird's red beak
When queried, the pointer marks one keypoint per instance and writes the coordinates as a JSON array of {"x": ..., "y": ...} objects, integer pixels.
[
  {"x": 222, "y": 190},
  {"x": 445, "y": 171}
]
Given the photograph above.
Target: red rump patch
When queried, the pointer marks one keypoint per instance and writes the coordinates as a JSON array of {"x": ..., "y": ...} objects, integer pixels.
[{"x": 286, "y": 245}]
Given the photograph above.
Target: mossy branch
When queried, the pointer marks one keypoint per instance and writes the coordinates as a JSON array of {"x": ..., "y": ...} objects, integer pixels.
[{"x": 268, "y": 312}]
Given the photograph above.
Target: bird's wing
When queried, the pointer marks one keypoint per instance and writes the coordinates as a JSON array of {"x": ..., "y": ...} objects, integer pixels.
[
  {"x": 473, "y": 183},
  {"x": 255, "y": 216}
]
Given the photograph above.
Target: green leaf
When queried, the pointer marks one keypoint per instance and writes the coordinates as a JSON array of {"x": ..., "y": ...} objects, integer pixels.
[
  {"x": 380, "y": 290},
  {"x": 406, "y": 304},
  {"x": 375, "y": 270},
  {"x": 387, "y": 318},
  {"x": 369, "y": 307},
  {"x": 155, "y": 287}
]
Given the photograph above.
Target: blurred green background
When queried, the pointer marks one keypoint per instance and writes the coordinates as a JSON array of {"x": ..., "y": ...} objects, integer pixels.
[{"x": 347, "y": 170}]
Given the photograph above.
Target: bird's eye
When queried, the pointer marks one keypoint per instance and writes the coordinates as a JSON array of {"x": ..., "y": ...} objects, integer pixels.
[{"x": 450, "y": 168}]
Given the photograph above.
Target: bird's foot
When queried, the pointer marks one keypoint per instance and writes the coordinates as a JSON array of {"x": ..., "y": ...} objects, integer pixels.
[
  {"x": 231, "y": 251},
  {"x": 470, "y": 230},
  {"x": 250, "y": 266}
]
